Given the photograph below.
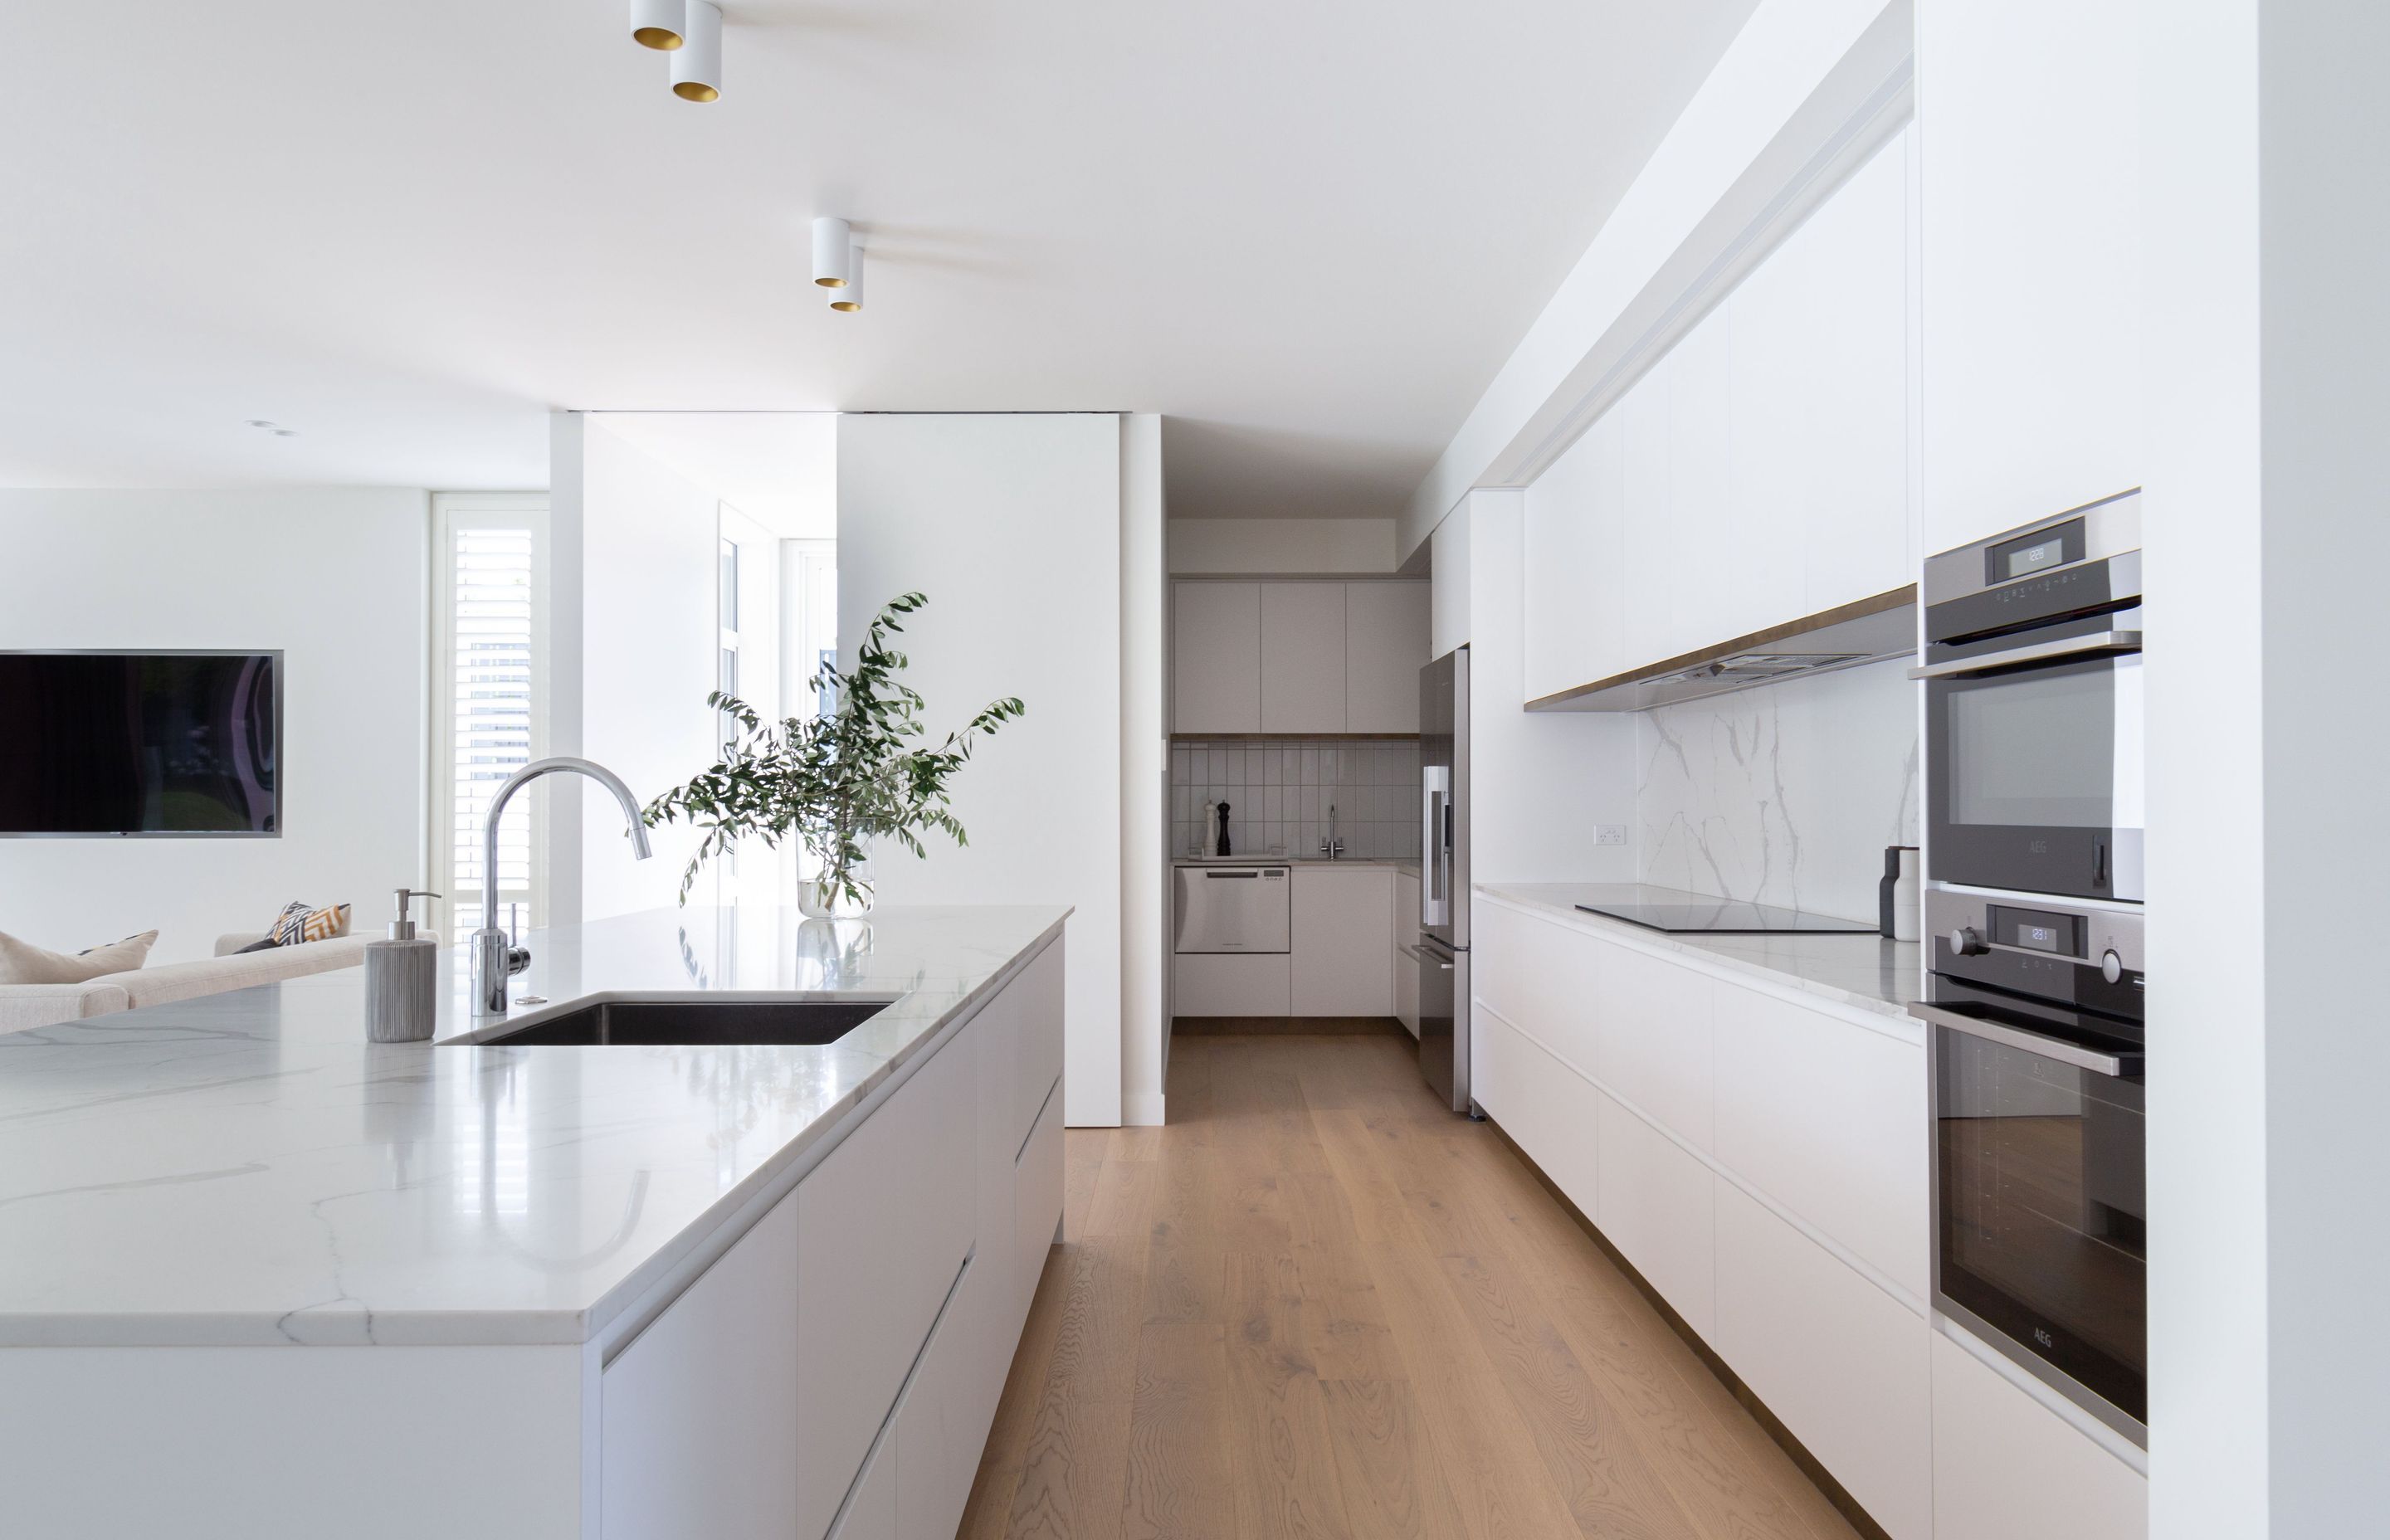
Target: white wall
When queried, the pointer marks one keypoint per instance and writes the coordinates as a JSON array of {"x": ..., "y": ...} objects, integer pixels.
[
  {"x": 336, "y": 578},
  {"x": 1765, "y": 124},
  {"x": 1011, "y": 525},
  {"x": 2268, "y": 858},
  {"x": 1146, "y": 894},
  {"x": 649, "y": 635},
  {"x": 1214, "y": 546}
]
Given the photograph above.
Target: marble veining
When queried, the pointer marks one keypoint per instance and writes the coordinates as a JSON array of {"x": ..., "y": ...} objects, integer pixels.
[
  {"x": 1866, "y": 972},
  {"x": 1786, "y": 794},
  {"x": 247, "y": 1168}
]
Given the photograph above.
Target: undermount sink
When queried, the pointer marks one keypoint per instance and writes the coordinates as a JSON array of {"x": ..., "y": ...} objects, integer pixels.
[{"x": 674, "y": 1023}]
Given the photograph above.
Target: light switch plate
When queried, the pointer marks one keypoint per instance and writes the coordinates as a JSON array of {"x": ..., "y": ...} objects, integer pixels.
[{"x": 1610, "y": 834}]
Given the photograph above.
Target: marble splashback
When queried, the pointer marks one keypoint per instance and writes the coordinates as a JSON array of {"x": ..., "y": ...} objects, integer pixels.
[{"x": 1785, "y": 794}]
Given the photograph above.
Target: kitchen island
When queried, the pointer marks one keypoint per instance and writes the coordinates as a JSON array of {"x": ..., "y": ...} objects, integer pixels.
[{"x": 260, "y": 1276}]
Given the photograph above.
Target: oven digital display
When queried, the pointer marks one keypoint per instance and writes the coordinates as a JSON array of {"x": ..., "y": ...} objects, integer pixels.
[
  {"x": 2038, "y": 552},
  {"x": 2033, "y": 558},
  {"x": 2037, "y": 930}
]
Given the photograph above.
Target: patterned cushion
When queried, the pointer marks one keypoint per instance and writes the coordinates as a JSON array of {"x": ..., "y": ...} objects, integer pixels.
[{"x": 303, "y": 922}]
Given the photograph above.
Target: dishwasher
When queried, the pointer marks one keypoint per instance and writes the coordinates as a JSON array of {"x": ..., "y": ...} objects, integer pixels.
[{"x": 1229, "y": 909}]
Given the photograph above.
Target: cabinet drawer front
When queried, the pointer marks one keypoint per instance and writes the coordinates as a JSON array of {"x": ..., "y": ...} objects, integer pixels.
[
  {"x": 1829, "y": 1119},
  {"x": 1542, "y": 976},
  {"x": 941, "y": 1427},
  {"x": 697, "y": 1415},
  {"x": 1652, "y": 1033},
  {"x": 883, "y": 1224},
  {"x": 1839, "y": 1360},
  {"x": 1036, "y": 1000},
  {"x": 1036, "y": 1202},
  {"x": 1544, "y": 1107},
  {"x": 1655, "y": 1206},
  {"x": 1223, "y": 983},
  {"x": 1985, "y": 1431}
]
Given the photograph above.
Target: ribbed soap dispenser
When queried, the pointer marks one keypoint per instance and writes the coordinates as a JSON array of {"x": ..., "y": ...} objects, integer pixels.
[{"x": 401, "y": 979}]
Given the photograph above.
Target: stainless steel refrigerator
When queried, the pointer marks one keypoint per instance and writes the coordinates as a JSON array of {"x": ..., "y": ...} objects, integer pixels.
[{"x": 1444, "y": 878}]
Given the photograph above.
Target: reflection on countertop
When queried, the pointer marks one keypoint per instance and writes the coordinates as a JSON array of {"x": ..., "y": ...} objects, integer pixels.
[
  {"x": 1862, "y": 970},
  {"x": 247, "y": 1168}
]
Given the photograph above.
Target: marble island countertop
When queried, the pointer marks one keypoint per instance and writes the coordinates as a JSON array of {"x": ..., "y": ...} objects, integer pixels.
[
  {"x": 1865, "y": 972},
  {"x": 247, "y": 1169}
]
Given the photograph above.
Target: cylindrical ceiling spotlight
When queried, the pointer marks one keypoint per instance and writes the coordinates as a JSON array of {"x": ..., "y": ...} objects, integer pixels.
[
  {"x": 696, "y": 67},
  {"x": 850, "y": 297},
  {"x": 657, "y": 23},
  {"x": 833, "y": 252}
]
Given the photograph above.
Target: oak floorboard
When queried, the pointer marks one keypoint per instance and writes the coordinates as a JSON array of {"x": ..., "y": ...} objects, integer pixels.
[
  {"x": 1316, "y": 1304},
  {"x": 1178, "y": 1482}
]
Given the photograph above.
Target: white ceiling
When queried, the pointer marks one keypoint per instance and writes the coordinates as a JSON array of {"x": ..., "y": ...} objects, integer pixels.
[{"x": 407, "y": 228}]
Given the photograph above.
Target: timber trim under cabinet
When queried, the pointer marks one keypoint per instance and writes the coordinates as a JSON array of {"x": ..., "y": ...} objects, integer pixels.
[
  {"x": 1806, "y": 629},
  {"x": 1809, "y": 1464}
]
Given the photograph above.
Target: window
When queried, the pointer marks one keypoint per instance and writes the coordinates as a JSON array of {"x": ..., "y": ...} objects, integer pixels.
[
  {"x": 489, "y": 694},
  {"x": 812, "y": 575}
]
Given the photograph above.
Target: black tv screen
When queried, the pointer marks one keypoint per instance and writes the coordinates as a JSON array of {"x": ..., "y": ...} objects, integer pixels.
[{"x": 141, "y": 744}]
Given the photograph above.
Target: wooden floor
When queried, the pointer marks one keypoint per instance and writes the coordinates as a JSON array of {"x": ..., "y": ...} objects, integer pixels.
[{"x": 1318, "y": 1304}]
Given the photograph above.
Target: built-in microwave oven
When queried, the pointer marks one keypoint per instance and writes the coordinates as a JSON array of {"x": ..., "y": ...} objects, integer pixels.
[{"x": 2033, "y": 704}]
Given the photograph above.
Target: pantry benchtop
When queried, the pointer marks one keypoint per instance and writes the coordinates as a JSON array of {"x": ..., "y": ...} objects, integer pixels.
[{"x": 247, "y": 1169}]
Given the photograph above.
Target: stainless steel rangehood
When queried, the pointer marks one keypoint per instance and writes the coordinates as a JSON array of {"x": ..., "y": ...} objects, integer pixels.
[{"x": 1867, "y": 631}]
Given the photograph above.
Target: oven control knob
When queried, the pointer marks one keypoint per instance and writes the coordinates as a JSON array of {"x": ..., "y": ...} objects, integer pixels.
[
  {"x": 2112, "y": 966},
  {"x": 1968, "y": 942}
]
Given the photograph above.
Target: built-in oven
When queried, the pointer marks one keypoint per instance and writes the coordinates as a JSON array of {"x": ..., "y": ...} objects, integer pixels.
[
  {"x": 2037, "y": 1046},
  {"x": 2033, "y": 703}
]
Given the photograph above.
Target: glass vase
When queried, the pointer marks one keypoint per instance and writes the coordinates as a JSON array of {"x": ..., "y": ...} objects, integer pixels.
[{"x": 826, "y": 896}]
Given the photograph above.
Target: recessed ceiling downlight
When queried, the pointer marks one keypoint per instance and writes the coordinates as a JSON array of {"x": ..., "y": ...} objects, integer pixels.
[
  {"x": 696, "y": 67},
  {"x": 833, "y": 251},
  {"x": 657, "y": 23},
  {"x": 849, "y": 297}
]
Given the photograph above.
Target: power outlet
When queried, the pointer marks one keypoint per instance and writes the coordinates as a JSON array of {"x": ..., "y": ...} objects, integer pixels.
[{"x": 1610, "y": 834}]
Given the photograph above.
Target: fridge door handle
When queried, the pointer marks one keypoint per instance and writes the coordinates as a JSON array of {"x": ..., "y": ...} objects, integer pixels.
[{"x": 1436, "y": 901}]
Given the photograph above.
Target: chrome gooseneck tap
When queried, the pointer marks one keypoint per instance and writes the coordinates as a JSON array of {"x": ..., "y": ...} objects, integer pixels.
[{"x": 494, "y": 960}]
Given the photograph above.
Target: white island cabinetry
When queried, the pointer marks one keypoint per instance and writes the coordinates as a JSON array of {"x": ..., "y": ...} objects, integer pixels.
[{"x": 837, "y": 1370}]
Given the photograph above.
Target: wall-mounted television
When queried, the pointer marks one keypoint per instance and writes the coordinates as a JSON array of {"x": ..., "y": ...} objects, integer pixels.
[{"x": 141, "y": 744}]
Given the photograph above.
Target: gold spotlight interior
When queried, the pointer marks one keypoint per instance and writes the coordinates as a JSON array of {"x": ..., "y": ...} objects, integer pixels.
[{"x": 661, "y": 39}]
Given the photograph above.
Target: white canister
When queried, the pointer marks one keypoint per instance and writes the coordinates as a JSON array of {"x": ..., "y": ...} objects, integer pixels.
[{"x": 1908, "y": 898}]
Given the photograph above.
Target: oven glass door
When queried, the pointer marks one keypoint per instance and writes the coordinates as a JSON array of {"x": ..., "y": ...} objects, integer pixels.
[
  {"x": 2039, "y": 1212},
  {"x": 2037, "y": 779}
]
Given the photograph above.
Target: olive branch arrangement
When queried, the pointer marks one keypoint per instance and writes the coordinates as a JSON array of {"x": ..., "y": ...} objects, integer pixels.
[{"x": 837, "y": 781}]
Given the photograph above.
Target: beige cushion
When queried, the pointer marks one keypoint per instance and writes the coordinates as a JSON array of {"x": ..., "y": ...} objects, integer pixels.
[
  {"x": 188, "y": 981},
  {"x": 25, "y": 1006},
  {"x": 23, "y": 963}
]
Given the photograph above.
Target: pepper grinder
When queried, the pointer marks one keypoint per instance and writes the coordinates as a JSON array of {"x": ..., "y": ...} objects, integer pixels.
[{"x": 402, "y": 978}]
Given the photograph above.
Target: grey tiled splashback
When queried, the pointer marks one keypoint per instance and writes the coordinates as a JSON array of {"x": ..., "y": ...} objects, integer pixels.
[{"x": 1278, "y": 793}]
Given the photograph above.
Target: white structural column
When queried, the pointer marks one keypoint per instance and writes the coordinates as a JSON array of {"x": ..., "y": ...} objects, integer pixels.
[
  {"x": 1145, "y": 773},
  {"x": 2270, "y": 862},
  {"x": 1012, "y": 524}
]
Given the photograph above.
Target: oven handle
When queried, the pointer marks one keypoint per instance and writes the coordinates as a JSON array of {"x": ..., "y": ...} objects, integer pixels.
[
  {"x": 2100, "y": 642},
  {"x": 2113, "y": 1065}
]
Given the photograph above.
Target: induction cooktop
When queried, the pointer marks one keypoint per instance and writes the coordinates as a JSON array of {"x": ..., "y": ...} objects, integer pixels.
[{"x": 1667, "y": 909}]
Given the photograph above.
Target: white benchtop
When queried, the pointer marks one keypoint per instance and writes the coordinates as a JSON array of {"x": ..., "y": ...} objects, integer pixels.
[
  {"x": 247, "y": 1169},
  {"x": 1865, "y": 972}
]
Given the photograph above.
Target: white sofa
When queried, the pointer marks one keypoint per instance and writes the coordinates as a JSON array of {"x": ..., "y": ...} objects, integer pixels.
[{"x": 23, "y": 1007}]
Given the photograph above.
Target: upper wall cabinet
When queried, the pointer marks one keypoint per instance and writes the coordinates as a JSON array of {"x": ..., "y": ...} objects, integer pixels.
[
  {"x": 1303, "y": 657},
  {"x": 1386, "y": 646},
  {"x": 1298, "y": 657},
  {"x": 1216, "y": 657},
  {"x": 1758, "y": 473},
  {"x": 2031, "y": 263}
]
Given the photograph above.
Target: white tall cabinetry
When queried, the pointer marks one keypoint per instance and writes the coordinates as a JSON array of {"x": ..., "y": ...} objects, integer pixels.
[
  {"x": 1757, "y": 473},
  {"x": 2032, "y": 259}
]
